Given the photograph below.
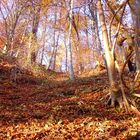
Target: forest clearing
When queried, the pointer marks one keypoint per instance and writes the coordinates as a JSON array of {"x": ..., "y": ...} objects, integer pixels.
[{"x": 69, "y": 69}]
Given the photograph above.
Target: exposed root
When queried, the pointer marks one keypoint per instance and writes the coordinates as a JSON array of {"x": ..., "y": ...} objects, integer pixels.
[
  {"x": 125, "y": 100},
  {"x": 136, "y": 83},
  {"x": 117, "y": 99}
]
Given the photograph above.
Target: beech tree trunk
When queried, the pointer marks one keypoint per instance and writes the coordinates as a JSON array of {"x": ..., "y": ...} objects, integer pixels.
[
  {"x": 115, "y": 92},
  {"x": 94, "y": 15},
  {"x": 66, "y": 54},
  {"x": 44, "y": 42},
  {"x": 71, "y": 71},
  {"x": 35, "y": 24}
]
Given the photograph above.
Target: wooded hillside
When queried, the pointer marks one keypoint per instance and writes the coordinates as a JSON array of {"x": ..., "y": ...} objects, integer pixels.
[{"x": 69, "y": 69}]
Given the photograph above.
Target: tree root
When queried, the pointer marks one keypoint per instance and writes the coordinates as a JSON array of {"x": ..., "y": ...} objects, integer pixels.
[{"x": 117, "y": 100}]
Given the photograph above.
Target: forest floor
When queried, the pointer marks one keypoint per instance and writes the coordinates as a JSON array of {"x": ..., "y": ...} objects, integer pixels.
[{"x": 57, "y": 109}]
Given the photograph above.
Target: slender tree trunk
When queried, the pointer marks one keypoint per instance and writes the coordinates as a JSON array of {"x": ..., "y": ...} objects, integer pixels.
[
  {"x": 78, "y": 52},
  {"x": 80, "y": 66},
  {"x": 29, "y": 44},
  {"x": 94, "y": 14},
  {"x": 55, "y": 43},
  {"x": 55, "y": 53},
  {"x": 42, "y": 53},
  {"x": 52, "y": 62},
  {"x": 44, "y": 42},
  {"x": 66, "y": 55},
  {"x": 36, "y": 17},
  {"x": 71, "y": 71},
  {"x": 52, "y": 57},
  {"x": 93, "y": 11}
]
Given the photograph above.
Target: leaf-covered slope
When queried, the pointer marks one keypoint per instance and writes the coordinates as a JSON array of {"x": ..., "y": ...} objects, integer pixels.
[{"x": 64, "y": 110}]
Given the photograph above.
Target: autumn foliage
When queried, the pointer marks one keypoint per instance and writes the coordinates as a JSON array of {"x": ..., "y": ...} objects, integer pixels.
[{"x": 69, "y": 70}]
